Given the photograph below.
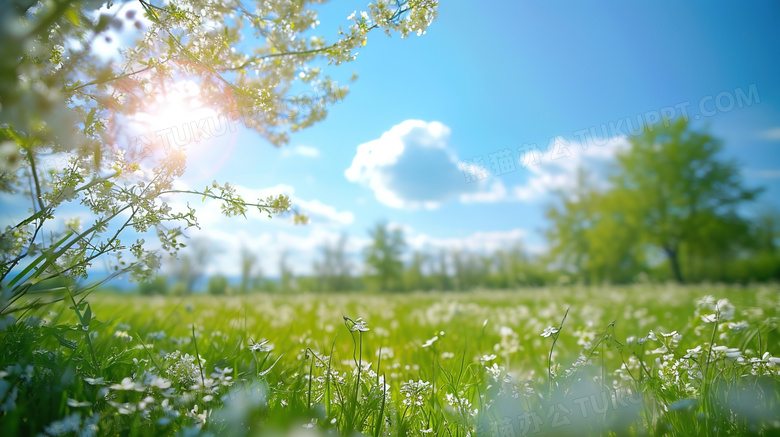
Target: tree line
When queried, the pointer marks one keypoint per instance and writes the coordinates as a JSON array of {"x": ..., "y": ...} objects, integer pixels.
[{"x": 672, "y": 209}]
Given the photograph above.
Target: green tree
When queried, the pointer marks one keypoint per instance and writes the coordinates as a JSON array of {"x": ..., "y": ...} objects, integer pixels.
[
  {"x": 759, "y": 259},
  {"x": 570, "y": 220},
  {"x": 259, "y": 282},
  {"x": 218, "y": 285},
  {"x": 383, "y": 257},
  {"x": 262, "y": 65},
  {"x": 248, "y": 269},
  {"x": 669, "y": 191},
  {"x": 512, "y": 264},
  {"x": 766, "y": 230},
  {"x": 593, "y": 237},
  {"x": 333, "y": 269},
  {"x": 190, "y": 264},
  {"x": 678, "y": 191},
  {"x": 286, "y": 277},
  {"x": 615, "y": 255},
  {"x": 414, "y": 277},
  {"x": 158, "y": 285},
  {"x": 440, "y": 273},
  {"x": 470, "y": 270}
]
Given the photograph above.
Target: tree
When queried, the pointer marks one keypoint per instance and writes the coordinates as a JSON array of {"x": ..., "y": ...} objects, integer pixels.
[
  {"x": 440, "y": 271},
  {"x": 593, "y": 237},
  {"x": 758, "y": 258},
  {"x": 678, "y": 191},
  {"x": 766, "y": 230},
  {"x": 511, "y": 265},
  {"x": 218, "y": 285},
  {"x": 614, "y": 255},
  {"x": 286, "y": 276},
  {"x": 62, "y": 99},
  {"x": 383, "y": 257},
  {"x": 669, "y": 191},
  {"x": 333, "y": 269},
  {"x": 469, "y": 270},
  {"x": 158, "y": 285},
  {"x": 460, "y": 277},
  {"x": 259, "y": 282},
  {"x": 248, "y": 267},
  {"x": 191, "y": 264},
  {"x": 570, "y": 220},
  {"x": 414, "y": 278}
]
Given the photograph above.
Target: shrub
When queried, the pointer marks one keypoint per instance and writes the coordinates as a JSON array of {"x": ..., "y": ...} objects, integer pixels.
[
  {"x": 218, "y": 285},
  {"x": 158, "y": 285}
]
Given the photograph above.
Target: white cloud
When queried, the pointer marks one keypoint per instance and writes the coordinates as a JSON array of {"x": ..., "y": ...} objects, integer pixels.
[
  {"x": 209, "y": 212},
  {"x": 301, "y": 245},
  {"x": 496, "y": 193},
  {"x": 550, "y": 175},
  {"x": 771, "y": 134},
  {"x": 480, "y": 242},
  {"x": 318, "y": 209},
  {"x": 764, "y": 174},
  {"x": 410, "y": 166},
  {"x": 305, "y": 151},
  {"x": 315, "y": 209}
]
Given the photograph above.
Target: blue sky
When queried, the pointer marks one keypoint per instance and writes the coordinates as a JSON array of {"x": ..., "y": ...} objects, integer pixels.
[
  {"x": 506, "y": 75},
  {"x": 499, "y": 77}
]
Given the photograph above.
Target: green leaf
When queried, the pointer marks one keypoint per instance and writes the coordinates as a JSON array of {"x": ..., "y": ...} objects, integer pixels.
[
  {"x": 87, "y": 317},
  {"x": 90, "y": 117},
  {"x": 685, "y": 405},
  {"x": 73, "y": 17},
  {"x": 38, "y": 260},
  {"x": 70, "y": 344},
  {"x": 102, "y": 23}
]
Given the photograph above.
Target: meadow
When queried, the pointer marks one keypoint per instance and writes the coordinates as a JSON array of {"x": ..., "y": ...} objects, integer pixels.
[{"x": 635, "y": 360}]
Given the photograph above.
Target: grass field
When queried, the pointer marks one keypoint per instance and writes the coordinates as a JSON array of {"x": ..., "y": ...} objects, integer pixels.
[{"x": 641, "y": 360}]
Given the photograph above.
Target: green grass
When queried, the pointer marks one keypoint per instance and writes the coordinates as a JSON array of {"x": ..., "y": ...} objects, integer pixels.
[{"x": 429, "y": 364}]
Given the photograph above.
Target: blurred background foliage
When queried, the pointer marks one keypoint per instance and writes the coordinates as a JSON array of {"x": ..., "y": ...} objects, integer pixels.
[{"x": 673, "y": 210}]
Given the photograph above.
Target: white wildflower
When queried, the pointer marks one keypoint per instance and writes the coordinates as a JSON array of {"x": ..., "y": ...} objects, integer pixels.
[
  {"x": 738, "y": 326},
  {"x": 706, "y": 302},
  {"x": 160, "y": 335},
  {"x": 414, "y": 392},
  {"x": 128, "y": 384},
  {"x": 261, "y": 346},
  {"x": 430, "y": 341},
  {"x": 76, "y": 404},
  {"x": 495, "y": 371},
  {"x": 693, "y": 353},
  {"x": 360, "y": 325},
  {"x": 67, "y": 425},
  {"x": 123, "y": 335},
  {"x": 725, "y": 309}
]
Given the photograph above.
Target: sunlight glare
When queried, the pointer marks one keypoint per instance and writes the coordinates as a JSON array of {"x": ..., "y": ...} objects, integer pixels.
[{"x": 174, "y": 116}]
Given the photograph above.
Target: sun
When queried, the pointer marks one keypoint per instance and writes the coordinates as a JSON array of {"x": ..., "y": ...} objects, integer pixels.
[{"x": 176, "y": 116}]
